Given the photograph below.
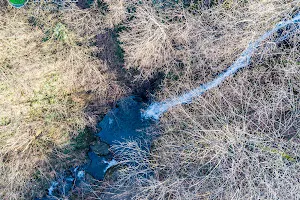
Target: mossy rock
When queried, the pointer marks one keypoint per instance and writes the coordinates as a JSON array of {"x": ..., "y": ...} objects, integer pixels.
[{"x": 100, "y": 148}]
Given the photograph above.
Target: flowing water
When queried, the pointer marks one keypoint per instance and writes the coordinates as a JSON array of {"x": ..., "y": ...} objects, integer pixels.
[
  {"x": 129, "y": 119},
  {"x": 156, "y": 109}
]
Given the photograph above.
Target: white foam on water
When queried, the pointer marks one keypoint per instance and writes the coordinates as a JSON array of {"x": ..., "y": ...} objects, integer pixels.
[
  {"x": 53, "y": 186},
  {"x": 111, "y": 163},
  {"x": 80, "y": 174},
  {"x": 156, "y": 109}
]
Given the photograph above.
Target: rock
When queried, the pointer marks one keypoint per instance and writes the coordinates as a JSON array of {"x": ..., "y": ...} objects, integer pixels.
[
  {"x": 97, "y": 166},
  {"x": 100, "y": 148},
  {"x": 84, "y": 4}
]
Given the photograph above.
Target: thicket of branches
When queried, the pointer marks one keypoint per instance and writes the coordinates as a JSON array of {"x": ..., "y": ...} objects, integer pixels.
[{"x": 237, "y": 141}]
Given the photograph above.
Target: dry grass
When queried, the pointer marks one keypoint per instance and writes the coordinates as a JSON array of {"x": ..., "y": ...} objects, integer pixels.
[
  {"x": 238, "y": 141},
  {"x": 158, "y": 39},
  {"x": 49, "y": 77}
]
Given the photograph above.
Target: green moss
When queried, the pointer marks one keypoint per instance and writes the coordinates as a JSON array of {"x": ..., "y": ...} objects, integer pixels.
[
  {"x": 83, "y": 140},
  {"x": 37, "y": 176},
  {"x": 276, "y": 151},
  {"x": 3, "y": 87},
  {"x": 4, "y": 121},
  {"x": 103, "y": 6},
  {"x": 53, "y": 116},
  {"x": 172, "y": 76},
  {"x": 119, "y": 51},
  {"x": 59, "y": 32}
]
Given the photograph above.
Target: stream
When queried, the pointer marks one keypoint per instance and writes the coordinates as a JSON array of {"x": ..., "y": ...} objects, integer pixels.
[{"x": 131, "y": 117}]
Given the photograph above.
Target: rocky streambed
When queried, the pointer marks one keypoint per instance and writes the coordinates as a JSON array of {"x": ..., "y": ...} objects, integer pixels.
[
  {"x": 122, "y": 123},
  {"x": 126, "y": 121}
]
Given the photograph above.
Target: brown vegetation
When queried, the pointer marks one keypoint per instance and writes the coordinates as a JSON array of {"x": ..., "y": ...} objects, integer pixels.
[
  {"x": 238, "y": 141},
  {"x": 52, "y": 87}
]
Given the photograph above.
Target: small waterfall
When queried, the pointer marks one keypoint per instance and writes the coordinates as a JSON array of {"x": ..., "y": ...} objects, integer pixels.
[{"x": 156, "y": 109}]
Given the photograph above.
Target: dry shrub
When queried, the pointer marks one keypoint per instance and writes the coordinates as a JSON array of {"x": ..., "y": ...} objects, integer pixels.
[
  {"x": 237, "y": 141},
  {"x": 90, "y": 22},
  {"x": 149, "y": 41},
  {"x": 49, "y": 77},
  {"x": 117, "y": 11},
  {"x": 164, "y": 38}
]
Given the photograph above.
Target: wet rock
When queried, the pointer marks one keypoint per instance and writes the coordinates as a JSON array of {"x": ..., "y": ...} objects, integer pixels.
[
  {"x": 113, "y": 174},
  {"x": 100, "y": 148},
  {"x": 46, "y": 198},
  {"x": 84, "y": 4},
  {"x": 98, "y": 165}
]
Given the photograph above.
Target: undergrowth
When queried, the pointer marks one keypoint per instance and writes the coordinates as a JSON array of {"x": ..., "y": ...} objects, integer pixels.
[
  {"x": 53, "y": 90},
  {"x": 237, "y": 141}
]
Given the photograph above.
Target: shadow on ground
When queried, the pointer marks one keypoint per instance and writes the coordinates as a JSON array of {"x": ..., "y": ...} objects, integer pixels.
[{"x": 83, "y": 162}]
